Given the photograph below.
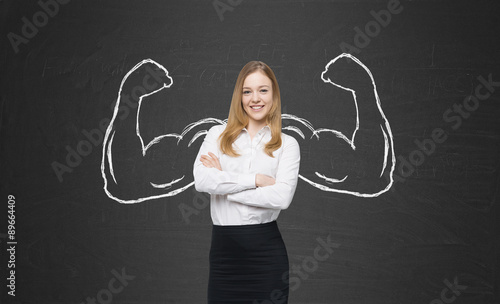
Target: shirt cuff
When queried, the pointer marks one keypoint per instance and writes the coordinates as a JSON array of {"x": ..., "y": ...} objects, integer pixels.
[{"x": 247, "y": 181}]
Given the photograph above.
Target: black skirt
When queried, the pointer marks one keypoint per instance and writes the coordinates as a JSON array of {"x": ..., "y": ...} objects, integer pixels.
[{"x": 248, "y": 264}]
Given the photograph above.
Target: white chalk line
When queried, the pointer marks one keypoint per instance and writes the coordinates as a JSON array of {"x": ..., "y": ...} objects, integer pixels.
[
  {"x": 387, "y": 142},
  {"x": 107, "y": 145}
]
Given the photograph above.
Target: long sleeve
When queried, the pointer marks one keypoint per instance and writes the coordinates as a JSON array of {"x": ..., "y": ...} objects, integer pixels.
[
  {"x": 212, "y": 180},
  {"x": 279, "y": 195}
]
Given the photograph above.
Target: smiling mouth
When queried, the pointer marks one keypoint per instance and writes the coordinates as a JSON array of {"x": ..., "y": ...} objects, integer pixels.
[{"x": 257, "y": 107}]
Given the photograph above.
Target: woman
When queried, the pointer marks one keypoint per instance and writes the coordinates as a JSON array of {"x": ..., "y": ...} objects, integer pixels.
[{"x": 251, "y": 171}]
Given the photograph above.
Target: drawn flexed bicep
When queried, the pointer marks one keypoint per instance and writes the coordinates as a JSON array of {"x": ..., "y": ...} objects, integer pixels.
[
  {"x": 130, "y": 156},
  {"x": 367, "y": 153}
]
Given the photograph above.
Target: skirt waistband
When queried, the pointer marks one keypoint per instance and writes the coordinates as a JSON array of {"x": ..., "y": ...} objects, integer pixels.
[{"x": 246, "y": 228}]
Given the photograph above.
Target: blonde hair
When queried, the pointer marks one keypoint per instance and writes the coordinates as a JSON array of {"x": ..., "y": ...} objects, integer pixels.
[{"x": 238, "y": 118}]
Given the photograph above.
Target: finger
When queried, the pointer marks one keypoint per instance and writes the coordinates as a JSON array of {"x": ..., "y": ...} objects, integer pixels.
[
  {"x": 206, "y": 158},
  {"x": 214, "y": 160},
  {"x": 208, "y": 162},
  {"x": 216, "y": 163}
]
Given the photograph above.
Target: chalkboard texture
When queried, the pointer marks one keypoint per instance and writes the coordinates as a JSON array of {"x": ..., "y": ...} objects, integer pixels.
[{"x": 395, "y": 105}]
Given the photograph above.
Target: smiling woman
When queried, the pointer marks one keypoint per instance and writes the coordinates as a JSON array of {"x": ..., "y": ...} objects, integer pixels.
[{"x": 251, "y": 171}]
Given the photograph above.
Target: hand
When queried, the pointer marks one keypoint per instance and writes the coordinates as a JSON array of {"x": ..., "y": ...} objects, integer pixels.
[
  {"x": 262, "y": 180},
  {"x": 211, "y": 161}
]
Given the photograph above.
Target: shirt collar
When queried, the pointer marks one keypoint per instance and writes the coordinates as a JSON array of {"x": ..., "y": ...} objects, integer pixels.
[{"x": 261, "y": 130}]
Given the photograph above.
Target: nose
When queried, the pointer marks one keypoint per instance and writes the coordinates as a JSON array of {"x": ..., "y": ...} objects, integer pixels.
[{"x": 255, "y": 97}]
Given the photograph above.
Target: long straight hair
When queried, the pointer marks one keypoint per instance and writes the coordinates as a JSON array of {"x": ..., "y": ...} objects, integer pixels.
[{"x": 238, "y": 118}]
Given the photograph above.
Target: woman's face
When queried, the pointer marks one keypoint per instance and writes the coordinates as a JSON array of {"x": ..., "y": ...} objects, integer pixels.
[{"x": 257, "y": 96}]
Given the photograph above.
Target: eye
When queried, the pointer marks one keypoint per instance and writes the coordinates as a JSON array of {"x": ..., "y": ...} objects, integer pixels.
[
  {"x": 264, "y": 90},
  {"x": 246, "y": 92}
]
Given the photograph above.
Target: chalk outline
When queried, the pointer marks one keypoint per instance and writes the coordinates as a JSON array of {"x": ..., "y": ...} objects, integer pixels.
[
  {"x": 107, "y": 144},
  {"x": 388, "y": 141}
]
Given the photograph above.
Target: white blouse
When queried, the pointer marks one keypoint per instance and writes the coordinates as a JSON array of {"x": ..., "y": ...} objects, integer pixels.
[{"x": 234, "y": 197}]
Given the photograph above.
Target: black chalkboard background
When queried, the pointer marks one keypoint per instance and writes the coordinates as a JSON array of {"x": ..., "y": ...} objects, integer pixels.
[{"x": 436, "y": 228}]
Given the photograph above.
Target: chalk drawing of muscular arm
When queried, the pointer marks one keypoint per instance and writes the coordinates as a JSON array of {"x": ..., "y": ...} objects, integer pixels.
[
  {"x": 372, "y": 161},
  {"x": 148, "y": 78},
  {"x": 124, "y": 144}
]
